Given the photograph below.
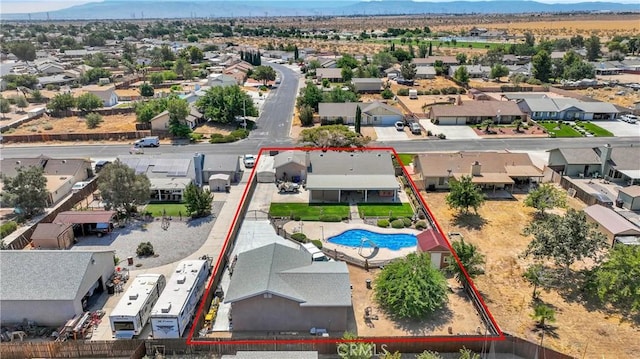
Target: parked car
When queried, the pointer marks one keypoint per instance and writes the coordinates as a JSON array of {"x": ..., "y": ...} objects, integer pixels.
[
  {"x": 78, "y": 186},
  {"x": 629, "y": 118},
  {"x": 151, "y": 141},
  {"x": 399, "y": 126},
  {"x": 249, "y": 161},
  {"x": 100, "y": 165},
  {"x": 136, "y": 150},
  {"x": 402, "y": 81},
  {"x": 415, "y": 128}
]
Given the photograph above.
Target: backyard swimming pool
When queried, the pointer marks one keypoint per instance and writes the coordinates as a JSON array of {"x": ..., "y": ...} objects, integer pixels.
[{"x": 357, "y": 238}]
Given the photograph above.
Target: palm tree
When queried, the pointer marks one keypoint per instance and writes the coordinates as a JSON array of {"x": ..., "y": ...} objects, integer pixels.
[
  {"x": 487, "y": 124},
  {"x": 535, "y": 275},
  {"x": 470, "y": 258},
  {"x": 542, "y": 314},
  {"x": 518, "y": 124}
]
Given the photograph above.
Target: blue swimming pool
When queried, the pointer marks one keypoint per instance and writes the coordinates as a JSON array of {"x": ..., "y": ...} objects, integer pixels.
[{"x": 354, "y": 238}]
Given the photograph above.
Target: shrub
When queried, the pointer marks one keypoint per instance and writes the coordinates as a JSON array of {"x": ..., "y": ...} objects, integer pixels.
[
  {"x": 195, "y": 137},
  {"x": 47, "y": 126},
  {"x": 403, "y": 92},
  {"x": 392, "y": 218},
  {"x": 398, "y": 223},
  {"x": 421, "y": 225},
  {"x": 383, "y": 223},
  {"x": 330, "y": 218},
  {"x": 387, "y": 94},
  {"x": 299, "y": 237},
  {"x": 8, "y": 228},
  {"x": 295, "y": 217},
  {"x": 429, "y": 133},
  {"x": 442, "y": 136},
  {"x": 317, "y": 243},
  {"x": 145, "y": 249},
  {"x": 239, "y": 133},
  {"x": 93, "y": 120},
  {"x": 116, "y": 260},
  {"x": 407, "y": 222}
]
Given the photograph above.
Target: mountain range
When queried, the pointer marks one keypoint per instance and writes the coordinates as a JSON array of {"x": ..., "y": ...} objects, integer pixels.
[{"x": 118, "y": 9}]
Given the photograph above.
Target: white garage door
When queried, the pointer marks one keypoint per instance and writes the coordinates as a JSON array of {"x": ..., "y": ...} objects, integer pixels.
[{"x": 388, "y": 120}]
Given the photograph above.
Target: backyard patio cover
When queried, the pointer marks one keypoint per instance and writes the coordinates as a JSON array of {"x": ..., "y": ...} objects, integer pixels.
[
  {"x": 80, "y": 217},
  {"x": 611, "y": 221},
  {"x": 352, "y": 182}
]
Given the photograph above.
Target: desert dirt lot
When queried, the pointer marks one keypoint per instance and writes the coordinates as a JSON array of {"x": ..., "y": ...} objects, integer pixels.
[
  {"x": 76, "y": 124},
  {"x": 617, "y": 95},
  {"x": 581, "y": 330}
]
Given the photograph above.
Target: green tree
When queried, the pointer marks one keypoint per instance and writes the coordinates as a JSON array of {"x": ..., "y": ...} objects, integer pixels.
[
  {"x": 21, "y": 102},
  {"x": 487, "y": 124},
  {"x": 470, "y": 258},
  {"x": 88, "y": 102},
  {"x": 264, "y": 74},
  {"x": 411, "y": 287},
  {"x": 617, "y": 279},
  {"x": 95, "y": 74},
  {"x": 146, "y": 90},
  {"x": 5, "y": 106},
  {"x": 36, "y": 96},
  {"x": 384, "y": 59},
  {"x": 311, "y": 95},
  {"x": 182, "y": 68},
  {"x": 61, "y": 102},
  {"x": 346, "y": 73},
  {"x": 156, "y": 78},
  {"x": 518, "y": 123},
  {"x": 593, "y": 48},
  {"x": 121, "y": 188},
  {"x": 543, "y": 314},
  {"x": 358, "y": 119},
  {"x": 93, "y": 120},
  {"x": 332, "y": 136},
  {"x": 195, "y": 54},
  {"x": 423, "y": 50},
  {"x": 578, "y": 71},
  {"x": 24, "y": 50},
  {"x": 564, "y": 239},
  {"x": 166, "y": 53},
  {"x": 178, "y": 111},
  {"x": 26, "y": 191},
  {"x": 461, "y": 74},
  {"x": 536, "y": 275},
  {"x": 347, "y": 61},
  {"x": 546, "y": 196},
  {"x": 349, "y": 348},
  {"x": 296, "y": 53},
  {"x": 145, "y": 111},
  {"x": 468, "y": 354},
  {"x": 429, "y": 355},
  {"x": 462, "y": 58},
  {"x": 387, "y": 94},
  {"x": 169, "y": 75},
  {"x": 464, "y": 194},
  {"x": 337, "y": 94},
  {"x": 306, "y": 115},
  {"x": 197, "y": 201},
  {"x": 541, "y": 66},
  {"x": 408, "y": 70},
  {"x": 498, "y": 71},
  {"x": 225, "y": 104}
]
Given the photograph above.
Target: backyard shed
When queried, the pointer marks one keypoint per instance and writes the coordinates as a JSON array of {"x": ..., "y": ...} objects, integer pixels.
[
  {"x": 432, "y": 242},
  {"x": 87, "y": 222},
  {"x": 629, "y": 197},
  {"x": 53, "y": 236},
  {"x": 611, "y": 223},
  {"x": 265, "y": 172},
  {"x": 219, "y": 182}
]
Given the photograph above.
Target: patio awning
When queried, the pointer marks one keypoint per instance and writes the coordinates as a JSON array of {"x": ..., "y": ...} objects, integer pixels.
[
  {"x": 487, "y": 178},
  {"x": 633, "y": 174},
  {"x": 523, "y": 171}
]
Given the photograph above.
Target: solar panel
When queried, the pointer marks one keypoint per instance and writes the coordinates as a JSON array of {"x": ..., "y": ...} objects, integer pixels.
[
  {"x": 162, "y": 165},
  {"x": 142, "y": 165}
]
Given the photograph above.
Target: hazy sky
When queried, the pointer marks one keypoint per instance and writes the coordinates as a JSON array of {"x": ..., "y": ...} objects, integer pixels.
[{"x": 26, "y": 6}]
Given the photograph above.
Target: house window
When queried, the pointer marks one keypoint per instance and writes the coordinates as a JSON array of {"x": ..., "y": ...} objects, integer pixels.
[
  {"x": 441, "y": 181},
  {"x": 446, "y": 259}
]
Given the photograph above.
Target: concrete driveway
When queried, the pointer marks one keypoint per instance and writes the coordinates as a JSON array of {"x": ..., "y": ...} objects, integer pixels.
[
  {"x": 453, "y": 132},
  {"x": 390, "y": 134},
  {"x": 619, "y": 128}
]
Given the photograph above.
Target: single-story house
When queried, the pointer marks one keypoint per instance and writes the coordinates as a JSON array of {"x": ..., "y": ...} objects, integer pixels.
[
  {"x": 106, "y": 93},
  {"x": 222, "y": 164},
  {"x": 50, "y": 287},
  {"x": 221, "y": 80},
  {"x": 470, "y": 112},
  {"x": 367, "y": 176},
  {"x": 87, "y": 222},
  {"x": 331, "y": 74},
  {"x": 432, "y": 242},
  {"x": 278, "y": 288},
  {"x": 629, "y": 197},
  {"x": 170, "y": 189},
  {"x": 425, "y": 72},
  {"x": 53, "y": 236},
  {"x": 474, "y": 71},
  {"x": 291, "y": 166},
  {"x": 161, "y": 121},
  {"x": 569, "y": 109},
  {"x": 369, "y": 85},
  {"x": 373, "y": 113},
  {"x": 431, "y": 60},
  {"x": 50, "y": 68},
  {"x": 618, "y": 164},
  {"x": 433, "y": 171},
  {"x": 392, "y": 72},
  {"x": 59, "y": 79},
  {"x": 611, "y": 223},
  {"x": 169, "y": 174}
]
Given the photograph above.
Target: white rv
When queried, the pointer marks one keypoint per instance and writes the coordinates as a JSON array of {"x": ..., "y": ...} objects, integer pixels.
[
  {"x": 316, "y": 254},
  {"x": 175, "y": 309},
  {"x": 132, "y": 312}
]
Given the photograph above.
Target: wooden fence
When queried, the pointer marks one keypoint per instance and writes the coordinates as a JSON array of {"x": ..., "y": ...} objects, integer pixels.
[
  {"x": 138, "y": 348},
  {"x": 43, "y": 137}
]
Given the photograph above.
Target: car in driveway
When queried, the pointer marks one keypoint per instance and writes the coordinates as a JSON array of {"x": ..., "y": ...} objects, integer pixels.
[
  {"x": 629, "y": 118},
  {"x": 399, "y": 126},
  {"x": 249, "y": 161},
  {"x": 415, "y": 128}
]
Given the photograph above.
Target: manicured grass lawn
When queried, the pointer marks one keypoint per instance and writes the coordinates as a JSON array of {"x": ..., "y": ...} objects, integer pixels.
[
  {"x": 384, "y": 209},
  {"x": 564, "y": 131},
  {"x": 171, "y": 209},
  {"x": 308, "y": 212},
  {"x": 406, "y": 158},
  {"x": 596, "y": 130}
]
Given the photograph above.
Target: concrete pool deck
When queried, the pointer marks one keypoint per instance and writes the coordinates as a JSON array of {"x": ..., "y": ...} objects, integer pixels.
[{"x": 325, "y": 230}]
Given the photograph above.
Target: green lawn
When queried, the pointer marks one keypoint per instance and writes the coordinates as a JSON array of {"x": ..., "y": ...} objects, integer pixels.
[
  {"x": 308, "y": 212},
  {"x": 406, "y": 158},
  {"x": 385, "y": 210},
  {"x": 596, "y": 130},
  {"x": 563, "y": 131},
  {"x": 170, "y": 209}
]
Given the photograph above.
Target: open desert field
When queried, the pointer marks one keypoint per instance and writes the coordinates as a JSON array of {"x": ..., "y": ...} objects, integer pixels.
[
  {"x": 76, "y": 124},
  {"x": 619, "y": 95},
  {"x": 581, "y": 331}
]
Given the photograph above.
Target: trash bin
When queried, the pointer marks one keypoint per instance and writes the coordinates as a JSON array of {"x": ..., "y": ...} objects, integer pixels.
[
  {"x": 368, "y": 282},
  {"x": 111, "y": 289},
  {"x": 619, "y": 203},
  {"x": 130, "y": 261}
]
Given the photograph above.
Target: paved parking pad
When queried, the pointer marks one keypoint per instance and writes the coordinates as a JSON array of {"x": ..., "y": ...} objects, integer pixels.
[
  {"x": 172, "y": 245},
  {"x": 619, "y": 128},
  {"x": 453, "y": 132},
  {"x": 390, "y": 134}
]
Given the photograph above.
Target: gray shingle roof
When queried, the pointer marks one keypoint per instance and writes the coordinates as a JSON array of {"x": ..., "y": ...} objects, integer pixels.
[
  {"x": 579, "y": 156},
  {"x": 286, "y": 157},
  {"x": 351, "y": 170},
  {"x": 43, "y": 274},
  {"x": 289, "y": 273},
  {"x": 221, "y": 163}
]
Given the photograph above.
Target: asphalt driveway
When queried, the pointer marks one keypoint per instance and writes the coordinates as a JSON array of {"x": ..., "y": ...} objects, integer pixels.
[{"x": 619, "y": 128}]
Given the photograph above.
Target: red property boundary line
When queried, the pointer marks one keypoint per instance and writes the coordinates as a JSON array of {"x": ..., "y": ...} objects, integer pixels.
[{"x": 201, "y": 308}]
